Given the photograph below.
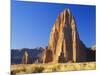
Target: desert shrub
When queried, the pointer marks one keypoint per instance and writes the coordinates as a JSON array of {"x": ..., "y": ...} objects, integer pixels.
[
  {"x": 38, "y": 69},
  {"x": 59, "y": 67},
  {"x": 54, "y": 69},
  {"x": 13, "y": 72},
  {"x": 18, "y": 70}
]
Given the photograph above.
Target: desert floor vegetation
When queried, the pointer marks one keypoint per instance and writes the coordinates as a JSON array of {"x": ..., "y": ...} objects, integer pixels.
[{"x": 41, "y": 68}]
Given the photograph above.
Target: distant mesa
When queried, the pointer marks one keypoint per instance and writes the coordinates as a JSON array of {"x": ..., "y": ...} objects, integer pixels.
[{"x": 64, "y": 43}]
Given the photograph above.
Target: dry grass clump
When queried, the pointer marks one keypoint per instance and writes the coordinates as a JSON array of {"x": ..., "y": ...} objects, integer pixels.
[{"x": 39, "y": 68}]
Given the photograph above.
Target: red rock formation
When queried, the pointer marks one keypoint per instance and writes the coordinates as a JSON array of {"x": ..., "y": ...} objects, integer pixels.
[{"x": 64, "y": 40}]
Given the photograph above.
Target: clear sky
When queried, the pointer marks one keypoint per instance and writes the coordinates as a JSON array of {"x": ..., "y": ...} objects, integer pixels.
[{"x": 31, "y": 23}]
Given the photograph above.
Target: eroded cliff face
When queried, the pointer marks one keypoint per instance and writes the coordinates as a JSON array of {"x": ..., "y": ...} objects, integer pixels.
[{"x": 64, "y": 41}]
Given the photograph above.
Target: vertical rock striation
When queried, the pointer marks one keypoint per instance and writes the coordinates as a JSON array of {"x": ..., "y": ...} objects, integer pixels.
[{"x": 64, "y": 41}]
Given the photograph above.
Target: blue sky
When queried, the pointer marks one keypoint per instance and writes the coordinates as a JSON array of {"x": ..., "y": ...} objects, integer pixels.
[{"x": 31, "y": 23}]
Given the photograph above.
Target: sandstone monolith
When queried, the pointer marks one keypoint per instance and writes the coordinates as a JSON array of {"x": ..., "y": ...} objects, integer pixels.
[{"x": 64, "y": 43}]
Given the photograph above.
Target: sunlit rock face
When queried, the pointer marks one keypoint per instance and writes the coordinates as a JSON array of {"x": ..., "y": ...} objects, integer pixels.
[
  {"x": 64, "y": 43},
  {"x": 25, "y": 59}
]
